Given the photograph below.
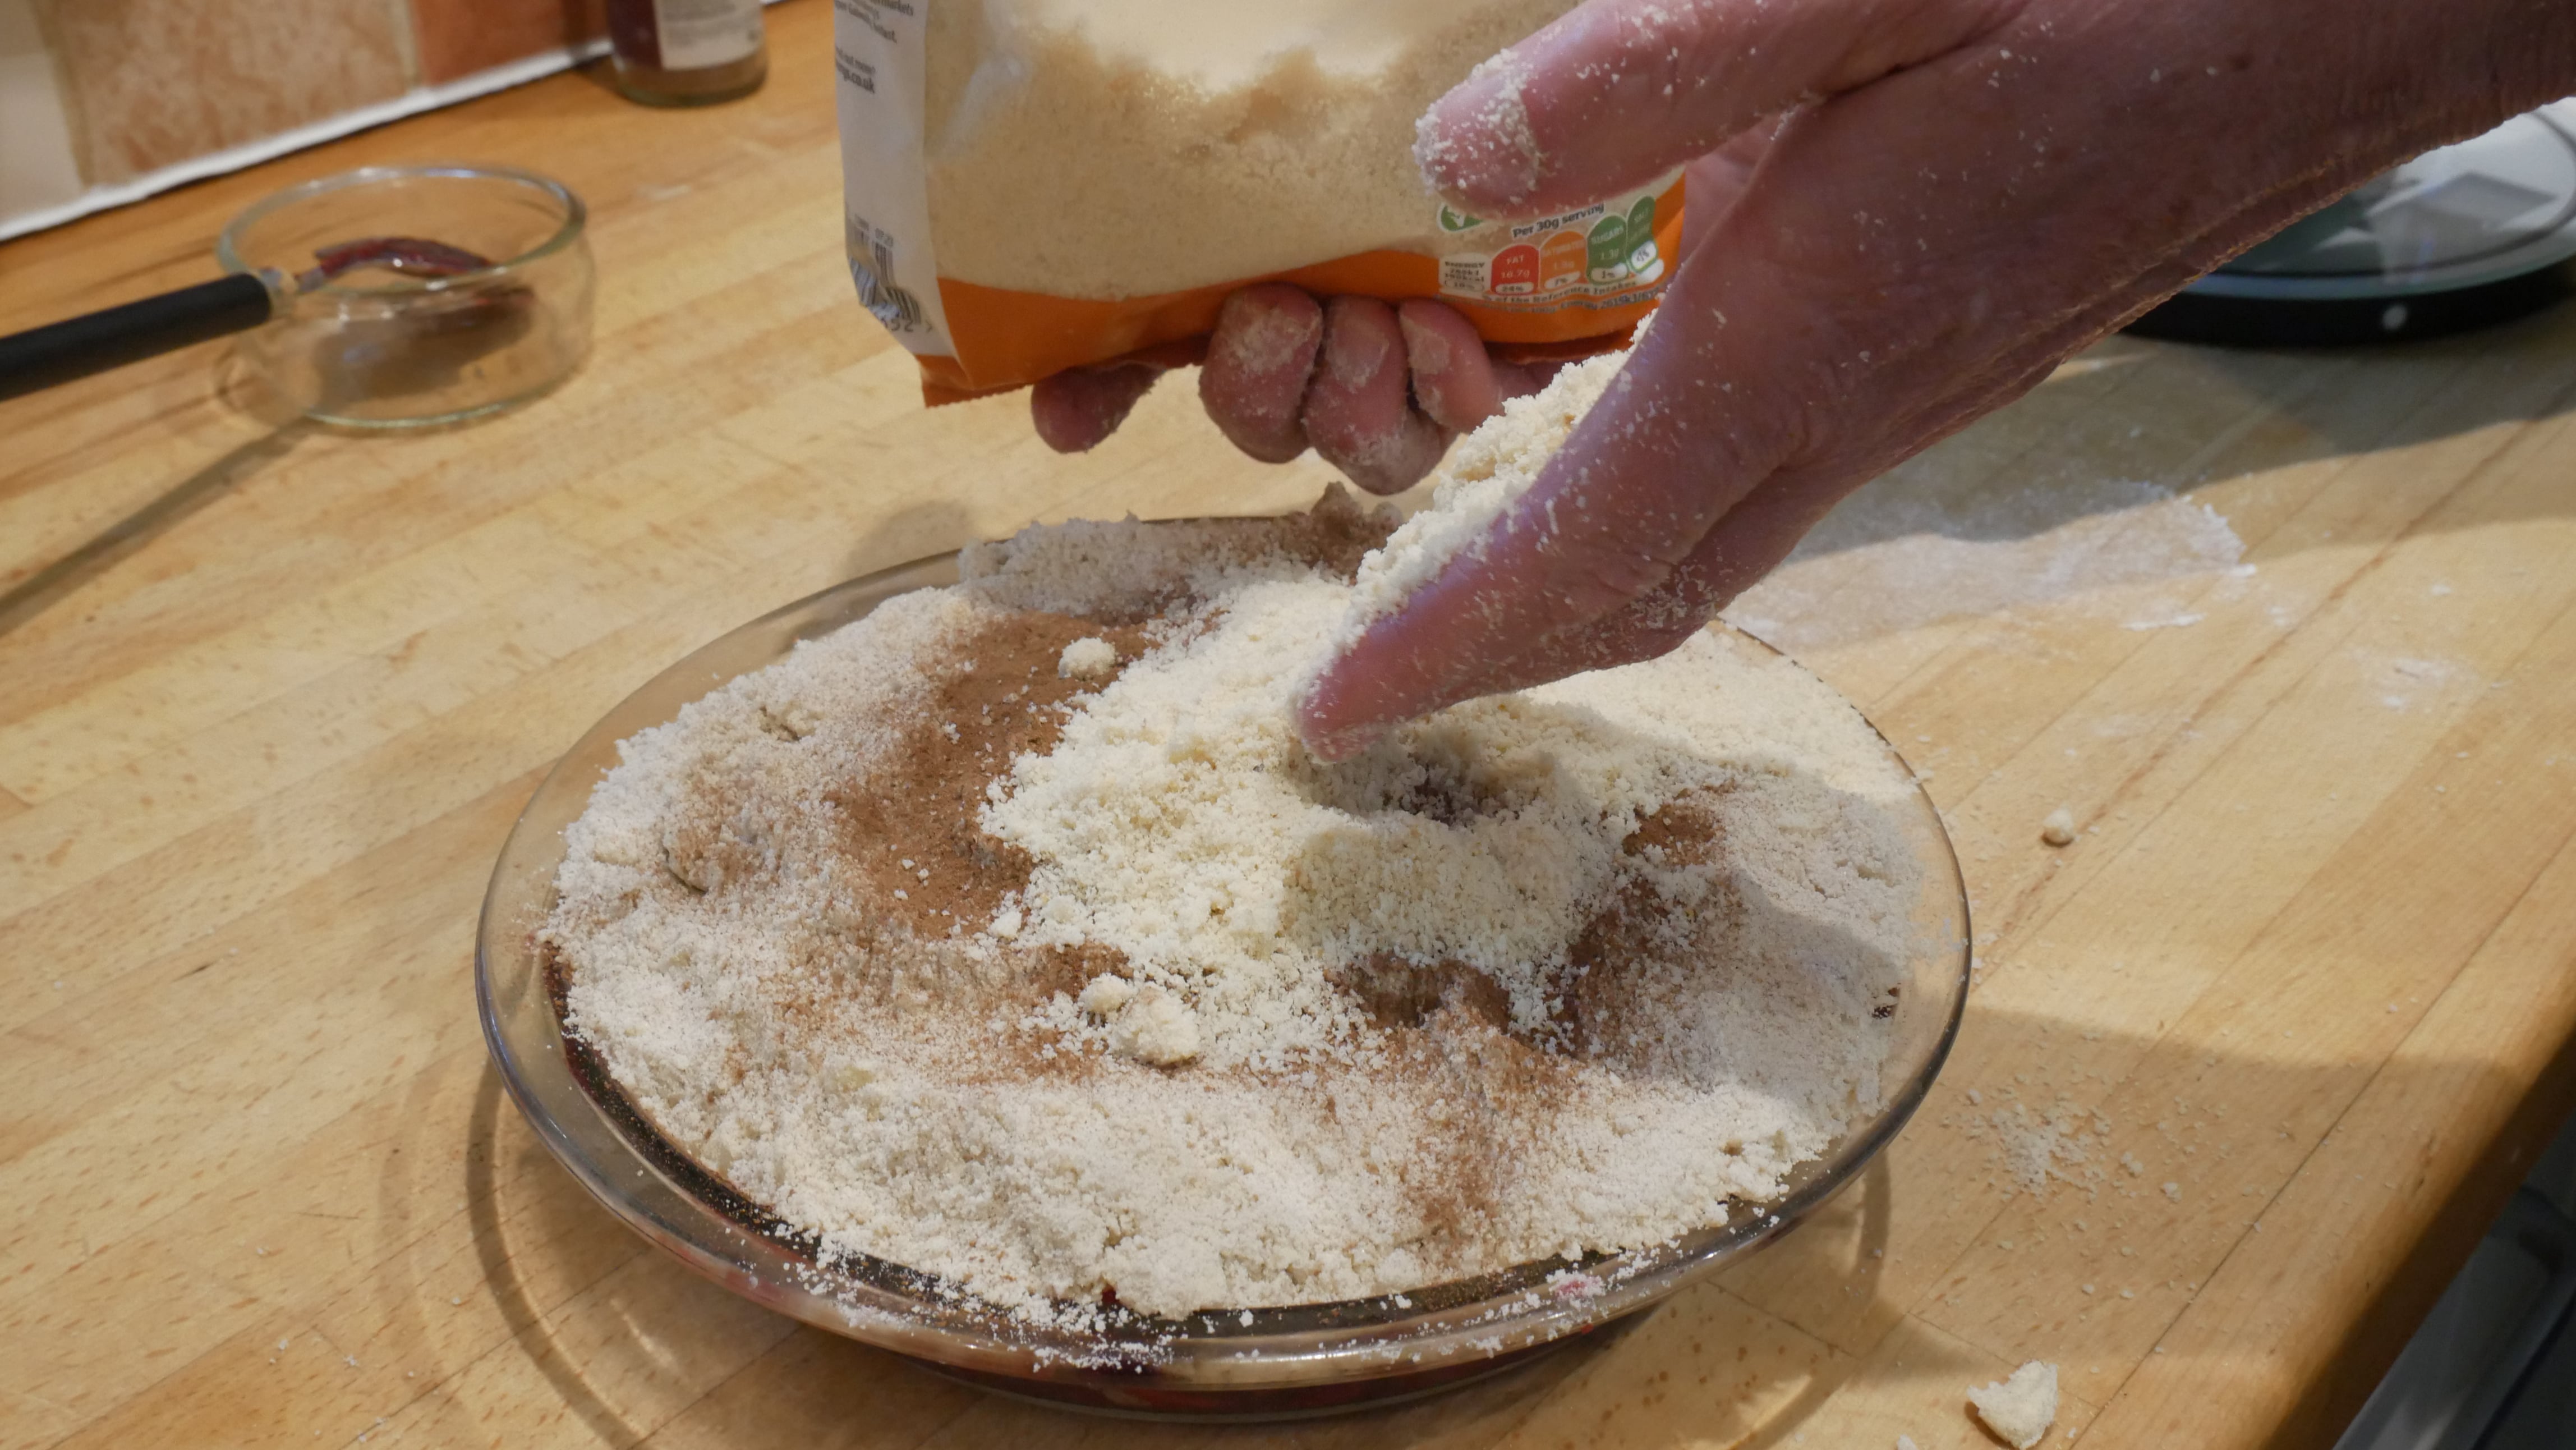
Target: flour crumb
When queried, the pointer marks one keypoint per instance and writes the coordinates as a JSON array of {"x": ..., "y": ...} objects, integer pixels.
[
  {"x": 2021, "y": 1407},
  {"x": 1089, "y": 658},
  {"x": 1157, "y": 1027},
  {"x": 2058, "y": 829},
  {"x": 1106, "y": 996},
  {"x": 2053, "y": 1144}
]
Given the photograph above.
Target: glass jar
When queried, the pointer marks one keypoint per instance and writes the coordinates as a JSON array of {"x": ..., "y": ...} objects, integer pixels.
[
  {"x": 378, "y": 349},
  {"x": 687, "y": 52}
]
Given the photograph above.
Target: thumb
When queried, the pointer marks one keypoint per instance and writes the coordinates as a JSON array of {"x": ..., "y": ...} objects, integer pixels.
[{"x": 1620, "y": 92}]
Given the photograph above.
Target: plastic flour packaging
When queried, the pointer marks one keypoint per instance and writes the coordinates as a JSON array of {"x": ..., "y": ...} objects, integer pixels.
[{"x": 1033, "y": 185}]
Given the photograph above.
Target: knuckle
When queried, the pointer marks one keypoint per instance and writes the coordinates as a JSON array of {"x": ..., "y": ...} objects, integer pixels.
[
  {"x": 1594, "y": 572},
  {"x": 1260, "y": 337}
]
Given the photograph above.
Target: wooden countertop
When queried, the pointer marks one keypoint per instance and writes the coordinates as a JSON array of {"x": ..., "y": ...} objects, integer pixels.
[{"x": 270, "y": 696}]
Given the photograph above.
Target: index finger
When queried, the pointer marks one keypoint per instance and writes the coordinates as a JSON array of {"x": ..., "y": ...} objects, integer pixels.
[
  {"x": 1619, "y": 92},
  {"x": 1611, "y": 514}
]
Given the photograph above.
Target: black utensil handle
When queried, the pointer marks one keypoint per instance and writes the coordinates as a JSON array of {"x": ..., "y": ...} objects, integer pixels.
[{"x": 76, "y": 347}]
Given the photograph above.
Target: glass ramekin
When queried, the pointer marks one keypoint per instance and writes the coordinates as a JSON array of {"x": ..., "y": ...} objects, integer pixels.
[
  {"x": 1274, "y": 1363},
  {"x": 373, "y": 349}
]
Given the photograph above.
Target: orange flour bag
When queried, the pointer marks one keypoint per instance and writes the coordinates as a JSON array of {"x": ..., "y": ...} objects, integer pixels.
[{"x": 1033, "y": 185}]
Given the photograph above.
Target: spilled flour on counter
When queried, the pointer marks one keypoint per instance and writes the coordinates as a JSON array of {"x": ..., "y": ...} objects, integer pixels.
[
  {"x": 1933, "y": 540},
  {"x": 1008, "y": 933}
]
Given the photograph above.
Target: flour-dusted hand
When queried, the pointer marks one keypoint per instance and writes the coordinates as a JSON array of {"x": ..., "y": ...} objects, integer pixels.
[
  {"x": 1944, "y": 198},
  {"x": 1376, "y": 390}
]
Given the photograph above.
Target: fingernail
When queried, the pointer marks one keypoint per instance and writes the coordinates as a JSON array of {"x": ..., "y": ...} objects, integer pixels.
[
  {"x": 1426, "y": 350},
  {"x": 1262, "y": 333},
  {"x": 1331, "y": 746},
  {"x": 1427, "y": 354},
  {"x": 1475, "y": 143},
  {"x": 1356, "y": 346},
  {"x": 1308, "y": 709},
  {"x": 1075, "y": 411}
]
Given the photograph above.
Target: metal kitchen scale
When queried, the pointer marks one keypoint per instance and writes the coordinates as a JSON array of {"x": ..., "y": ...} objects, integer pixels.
[{"x": 2470, "y": 235}]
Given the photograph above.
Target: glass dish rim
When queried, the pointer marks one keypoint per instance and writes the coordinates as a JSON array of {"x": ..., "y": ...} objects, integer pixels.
[
  {"x": 1385, "y": 1336},
  {"x": 575, "y": 220}
]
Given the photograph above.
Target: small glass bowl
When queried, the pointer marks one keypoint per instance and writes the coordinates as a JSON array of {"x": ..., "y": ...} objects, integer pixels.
[
  {"x": 374, "y": 349},
  {"x": 1276, "y": 1363}
]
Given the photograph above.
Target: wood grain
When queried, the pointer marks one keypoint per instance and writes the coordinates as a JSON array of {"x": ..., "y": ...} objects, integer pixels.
[{"x": 270, "y": 696}]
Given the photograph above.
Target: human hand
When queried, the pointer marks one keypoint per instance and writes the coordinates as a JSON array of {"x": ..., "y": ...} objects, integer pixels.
[
  {"x": 1906, "y": 213},
  {"x": 1377, "y": 390}
]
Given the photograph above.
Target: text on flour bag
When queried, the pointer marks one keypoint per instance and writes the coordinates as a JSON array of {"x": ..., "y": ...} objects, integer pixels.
[{"x": 1034, "y": 185}]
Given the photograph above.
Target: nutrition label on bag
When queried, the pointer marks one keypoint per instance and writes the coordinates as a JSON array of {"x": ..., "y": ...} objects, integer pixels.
[{"x": 1605, "y": 253}]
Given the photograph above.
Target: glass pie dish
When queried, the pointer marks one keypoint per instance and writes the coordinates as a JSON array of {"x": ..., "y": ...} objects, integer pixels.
[{"x": 1256, "y": 1363}]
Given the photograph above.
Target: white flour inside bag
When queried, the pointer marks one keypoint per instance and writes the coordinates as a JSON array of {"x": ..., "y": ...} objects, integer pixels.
[{"x": 1102, "y": 148}]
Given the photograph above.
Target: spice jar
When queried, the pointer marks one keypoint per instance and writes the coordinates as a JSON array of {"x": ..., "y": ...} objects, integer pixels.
[{"x": 687, "y": 52}]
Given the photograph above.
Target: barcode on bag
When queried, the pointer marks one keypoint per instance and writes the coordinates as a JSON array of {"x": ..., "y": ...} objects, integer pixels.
[{"x": 871, "y": 251}]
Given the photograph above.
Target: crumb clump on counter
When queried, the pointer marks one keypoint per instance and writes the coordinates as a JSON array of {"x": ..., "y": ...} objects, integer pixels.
[
  {"x": 2058, "y": 828},
  {"x": 2020, "y": 1407},
  {"x": 1009, "y": 933}
]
